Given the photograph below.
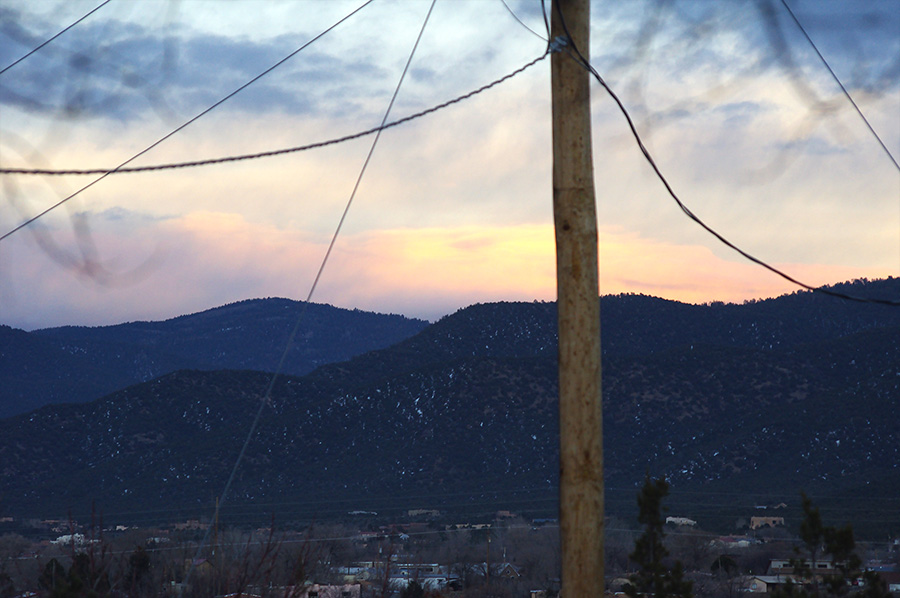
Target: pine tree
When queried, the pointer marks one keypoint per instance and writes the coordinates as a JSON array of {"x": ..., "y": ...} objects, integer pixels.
[
  {"x": 836, "y": 544},
  {"x": 413, "y": 590},
  {"x": 7, "y": 587},
  {"x": 654, "y": 578},
  {"x": 53, "y": 576}
]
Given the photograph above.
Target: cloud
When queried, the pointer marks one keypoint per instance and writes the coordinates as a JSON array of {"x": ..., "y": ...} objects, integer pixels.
[
  {"x": 116, "y": 70},
  {"x": 694, "y": 274},
  {"x": 212, "y": 258},
  {"x": 456, "y": 207},
  {"x": 204, "y": 259}
]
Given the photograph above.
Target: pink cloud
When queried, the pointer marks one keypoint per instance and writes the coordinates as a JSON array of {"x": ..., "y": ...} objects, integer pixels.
[{"x": 205, "y": 259}]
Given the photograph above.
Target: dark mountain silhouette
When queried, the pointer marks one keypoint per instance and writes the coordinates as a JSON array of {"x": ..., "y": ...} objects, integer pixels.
[
  {"x": 632, "y": 325},
  {"x": 77, "y": 364},
  {"x": 746, "y": 404}
]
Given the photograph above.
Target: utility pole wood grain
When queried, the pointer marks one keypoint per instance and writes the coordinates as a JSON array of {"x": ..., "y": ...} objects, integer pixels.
[{"x": 575, "y": 218}]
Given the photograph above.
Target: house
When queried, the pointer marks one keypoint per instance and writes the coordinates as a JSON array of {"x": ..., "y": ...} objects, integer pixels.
[
  {"x": 763, "y": 584},
  {"x": 505, "y": 571},
  {"x": 498, "y": 570},
  {"x": 73, "y": 539},
  {"x": 892, "y": 578},
  {"x": 733, "y": 542},
  {"x": 781, "y": 572},
  {"x": 680, "y": 521},
  {"x": 201, "y": 567},
  {"x": 326, "y": 591},
  {"x": 784, "y": 567},
  {"x": 355, "y": 572},
  {"x": 760, "y": 522},
  {"x": 430, "y": 576},
  {"x": 423, "y": 513}
]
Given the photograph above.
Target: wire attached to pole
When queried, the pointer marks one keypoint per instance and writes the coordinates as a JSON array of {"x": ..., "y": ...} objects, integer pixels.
[{"x": 572, "y": 50}]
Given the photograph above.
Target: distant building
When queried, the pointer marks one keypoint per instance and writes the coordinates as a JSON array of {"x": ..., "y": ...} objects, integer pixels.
[
  {"x": 763, "y": 584},
  {"x": 506, "y": 571},
  {"x": 328, "y": 591},
  {"x": 893, "y": 581},
  {"x": 423, "y": 513},
  {"x": 74, "y": 539},
  {"x": 191, "y": 524},
  {"x": 760, "y": 522},
  {"x": 680, "y": 521},
  {"x": 314, "y": 590},
  {"x": 731, "y": 542},
  {"x": 453, "y": 526},
  {"x": 783, "y": 567},
  {"x": 431, "y": 576}
]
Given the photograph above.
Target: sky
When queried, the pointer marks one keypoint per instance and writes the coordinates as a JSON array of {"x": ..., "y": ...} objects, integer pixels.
[{"x": 454, "y": 208}]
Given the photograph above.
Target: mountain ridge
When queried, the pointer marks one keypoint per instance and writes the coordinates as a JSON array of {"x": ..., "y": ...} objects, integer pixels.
[
  {"x": 90, "y": 362},
  {"x": 468, "y": 406}
]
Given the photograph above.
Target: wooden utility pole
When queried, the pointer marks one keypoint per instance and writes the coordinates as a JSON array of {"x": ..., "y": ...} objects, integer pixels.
[{"x": 578, "y": 291}]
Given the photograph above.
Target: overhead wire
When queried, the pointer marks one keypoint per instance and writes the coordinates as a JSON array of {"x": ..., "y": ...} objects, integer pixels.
[
  {"x": 841, "y": 85},
  {"x": 271, "y": 153},
  {"x": 38, "y": 48},
  {"x": 266, "y": 398},
  {"x": 521, "y": 22},
  {"x": 546, "y": 19},
  {"x": 572, "y": 50},
  {"x": 386, "y": 125},
  {"x": 185, "y": 124}
]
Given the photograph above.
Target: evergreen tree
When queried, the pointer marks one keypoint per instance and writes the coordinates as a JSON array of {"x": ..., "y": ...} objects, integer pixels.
[
  {"x": 53, "y": 576},
  {"x": 413, "y": 590},
  {"x": 84, "y": 578},
  {"x": 834, "y": 544},
  {"x": 7, "y": 587},
  {"x": 138, "y": 570},
  {"x": 654, "y": 578}
]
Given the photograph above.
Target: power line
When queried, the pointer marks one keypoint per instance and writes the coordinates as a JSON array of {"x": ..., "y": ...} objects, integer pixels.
[
  {"x": 521, "y": 22},
  {"x": 841, "y": 85},
  {"x": 14, "y": 63},
  {"x": 290, "y": 341},
  {"x": 270, "y": 153},
  {"x": 176, "y": 130},
  {"x": 546, "y": 20},
  {"x": 580, "y": 59}
]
